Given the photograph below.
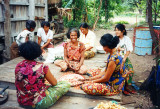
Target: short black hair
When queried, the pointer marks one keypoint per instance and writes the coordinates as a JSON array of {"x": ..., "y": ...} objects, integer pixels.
[
  {"x": 71, "y": 30},
  {"x": 109, "y": 41},
  {"x": 30, "y": 50},
  {"x": 121, "y": 27},
  {"x": 42, "y": 24},
  {"x": 30, "y": 24},
  {"x": 46, "y": 23},
  {"x": 84, "y": 25}
]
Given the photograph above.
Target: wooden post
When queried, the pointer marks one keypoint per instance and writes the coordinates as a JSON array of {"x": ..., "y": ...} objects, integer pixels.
[
  {"x": 31, "y": 14},
  {"x": 136, "y": 20},
  {"x": 46, "y": 10},
  {"x": 7, "y": 28},
  {"x": 31, "y": 9}
]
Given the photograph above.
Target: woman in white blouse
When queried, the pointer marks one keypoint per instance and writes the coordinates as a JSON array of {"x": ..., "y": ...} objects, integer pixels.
[
  {"x": 45, "y": 36},
  {"x": 88, "y": 38},
  {"x": 125, "y": 48},
  {"x": 22, "y": 37}
]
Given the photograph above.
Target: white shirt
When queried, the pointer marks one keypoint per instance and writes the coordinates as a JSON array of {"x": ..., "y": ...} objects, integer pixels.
[
  {"x": 125, "y": 43},
  {"x": 41, "y": 33},
  {"x": 89, "y": 40},
  {"x": 21, "y": 38}
]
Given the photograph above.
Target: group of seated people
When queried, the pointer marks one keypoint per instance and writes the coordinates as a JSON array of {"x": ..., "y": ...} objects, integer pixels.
[{"x": 30, "y": 75}]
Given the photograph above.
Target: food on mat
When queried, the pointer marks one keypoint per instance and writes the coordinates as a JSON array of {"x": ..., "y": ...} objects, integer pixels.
[
  {"x": 109, "y": 105},
  {"x": 72, "y": 79}
]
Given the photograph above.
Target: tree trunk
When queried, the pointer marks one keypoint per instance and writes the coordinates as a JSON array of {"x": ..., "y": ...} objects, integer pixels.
[
  {"x": 155, "y": 12},
  {"x": 155, "y": 17},
  {"x": 95, "y": 23},
  {"x": 7, "y": 29},
  {"x": 86, "y": 17},
  {"x": 74, "y": 12},
  {"x": 96, "y": 20},
  {"x": 95, "y": 8},
  {"x": 140, "y": 11},
  {"x": 146, "y": 12},
  {"x": 150, "y": 23},
  {"x": 136, "y": 3},
  {"x": 106, "y": 19},
  {"x": 107, "y": 10}
]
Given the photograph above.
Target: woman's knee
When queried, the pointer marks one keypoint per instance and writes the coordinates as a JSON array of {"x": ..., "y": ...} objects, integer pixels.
[
  {"x": 57, "y": 62},
  {"x": 63, "y": 66},
  {"x": 83, "y": 70}
]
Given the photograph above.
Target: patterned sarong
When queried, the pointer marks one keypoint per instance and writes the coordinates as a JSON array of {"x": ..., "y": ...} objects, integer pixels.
[
  {"x": 89, "y": 54},
  {"x": 129, "y": 67},
  {"x": 53, "y": 93}
]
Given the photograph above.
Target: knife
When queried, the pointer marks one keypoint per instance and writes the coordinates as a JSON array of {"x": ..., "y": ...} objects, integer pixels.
[{"x": 1, "y": 92}]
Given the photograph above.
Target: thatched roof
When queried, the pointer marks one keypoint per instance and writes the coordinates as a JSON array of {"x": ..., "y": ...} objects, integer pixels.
[{"x": 65, "y": 12}]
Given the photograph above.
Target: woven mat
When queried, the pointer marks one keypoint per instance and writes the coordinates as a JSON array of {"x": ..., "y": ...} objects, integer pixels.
[{"x": 72, "y": 78}]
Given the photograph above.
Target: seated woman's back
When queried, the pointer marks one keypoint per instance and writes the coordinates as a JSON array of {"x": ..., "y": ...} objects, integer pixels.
[
  {"x": 119, "y": 74},
  {"x": 30, "y": 76},
  {"x": 29, "y": 81}
]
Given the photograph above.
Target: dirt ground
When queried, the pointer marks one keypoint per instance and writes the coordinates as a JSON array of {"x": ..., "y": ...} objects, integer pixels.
[{"x": 142, "y": 66}]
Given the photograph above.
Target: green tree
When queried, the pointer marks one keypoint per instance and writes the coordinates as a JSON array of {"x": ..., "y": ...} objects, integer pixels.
[
  {"x": 77, "y": 8},
  {"x": 109, "y": 8},
  {"x": 139, "y": 4},
  {"x": 156, "y": 9}
]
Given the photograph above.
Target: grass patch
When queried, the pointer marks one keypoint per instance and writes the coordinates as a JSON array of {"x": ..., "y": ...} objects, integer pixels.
[
  {"x": 142, "y": 23},
  {"x": 105, "y": 25},
  {"x": 145, "y": 24},
  {"x": 122, "y": 22},
  {"x": 128, "y": 14}
]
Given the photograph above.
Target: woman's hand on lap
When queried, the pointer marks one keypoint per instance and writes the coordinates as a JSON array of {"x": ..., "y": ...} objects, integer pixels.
[{"x": 43, "y": 51}]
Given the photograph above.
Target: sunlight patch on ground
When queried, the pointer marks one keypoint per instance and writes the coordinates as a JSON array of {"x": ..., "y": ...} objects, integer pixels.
[{"x": 130, "y": 20}]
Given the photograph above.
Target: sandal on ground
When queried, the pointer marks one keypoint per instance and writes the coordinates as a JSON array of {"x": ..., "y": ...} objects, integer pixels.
[
  {"x": 126, "y": 93},
  {"x": 130, "y": 90},
  {"x": 135, "y": 86}
]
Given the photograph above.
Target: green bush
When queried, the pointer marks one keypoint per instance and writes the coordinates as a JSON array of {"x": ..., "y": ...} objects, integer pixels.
[
  {"x": 121, "y": 22},
  {"x": 156, "y": 23},
  {"x": 71, "y": 23},
  {"x": 105, "y": 25},
  {"x": 127, "y": 14},
  {"x": 142, "y": 23},
  {"x": 130, "y": 14},
  {"x": 100, "y": 24}
]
